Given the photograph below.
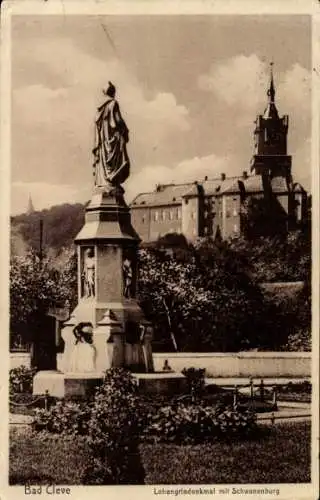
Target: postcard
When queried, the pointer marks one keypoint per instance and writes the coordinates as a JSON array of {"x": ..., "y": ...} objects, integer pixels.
[{"x": 160, "y": 251}]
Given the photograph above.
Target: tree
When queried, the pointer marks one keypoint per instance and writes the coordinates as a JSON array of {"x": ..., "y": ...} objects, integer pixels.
[
  {"x": 276, "y": 259},
  {"x": 204, "y": 301},
  {"x": 263, "y": 217},
  {"x": 35, "y": 286}
]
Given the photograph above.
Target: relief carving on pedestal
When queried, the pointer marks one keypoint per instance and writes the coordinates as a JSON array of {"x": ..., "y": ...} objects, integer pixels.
[
  {"x": 127, "y": 279},
  {"x": 88, "y": 273}
]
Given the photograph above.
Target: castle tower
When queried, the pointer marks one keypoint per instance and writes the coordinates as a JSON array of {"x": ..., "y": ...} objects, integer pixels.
[{"x": 270, "y": 156}]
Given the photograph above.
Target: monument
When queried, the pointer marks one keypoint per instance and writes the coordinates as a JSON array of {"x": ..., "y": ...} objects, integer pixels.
[{"x": 107, "y": 328}]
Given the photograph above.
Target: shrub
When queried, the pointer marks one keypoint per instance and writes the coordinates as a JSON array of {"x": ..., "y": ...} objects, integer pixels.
[
  {"x": 189, "y": 424},
  {"x": 21, "y": 380},
  {"x": 117, "y": 417},
  {"x": 63, "y": 418}
]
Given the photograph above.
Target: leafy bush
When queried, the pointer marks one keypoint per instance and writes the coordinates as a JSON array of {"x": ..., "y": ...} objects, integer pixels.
[
  {"x": 190, "y": 424},
  {"x": 63, "y": 418},
  {"x": 21, "y": 380},
  {"x": 117, "y": 417}
]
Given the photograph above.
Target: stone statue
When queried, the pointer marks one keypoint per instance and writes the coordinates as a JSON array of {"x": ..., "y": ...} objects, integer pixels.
[
  {"x": 127, "y": 278},
  {"x": 83, "y": 355},
  {"x": 111, "y": 162},
  {"x": 89, "y": 273}
]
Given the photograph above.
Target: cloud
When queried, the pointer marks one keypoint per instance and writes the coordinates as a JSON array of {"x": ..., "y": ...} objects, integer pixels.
[
  {"x": 239, "y": 81},
  {"x": 294, "y": 92},
  {"x": 188, "y": 170},
  {"x": 242, "y": 81},
  {"x": 53, "y": 123}
]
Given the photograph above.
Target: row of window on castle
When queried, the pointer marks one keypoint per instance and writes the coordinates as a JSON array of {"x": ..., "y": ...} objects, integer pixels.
[
  {"x": 171, "y": 214},
  {"x": 163, "y": 216}
]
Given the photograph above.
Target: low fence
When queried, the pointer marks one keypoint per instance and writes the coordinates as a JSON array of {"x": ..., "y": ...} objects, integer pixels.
[{"x": 243, "y": 364}]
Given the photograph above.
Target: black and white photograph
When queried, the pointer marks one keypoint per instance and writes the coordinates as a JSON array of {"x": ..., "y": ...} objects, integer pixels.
[{"x": 160, "y": 306}]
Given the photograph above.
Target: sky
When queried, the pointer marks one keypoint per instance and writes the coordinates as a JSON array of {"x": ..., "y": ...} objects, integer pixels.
[{"x": 189, "y": 88}]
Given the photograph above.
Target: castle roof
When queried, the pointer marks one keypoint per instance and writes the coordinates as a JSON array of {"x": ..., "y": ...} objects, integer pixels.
[
  {"x": 217, "y": 186},
  {"x": 253, "y": 184},
  {"x": 164, "y": 194},
  {"x": 172, "y": 194}
]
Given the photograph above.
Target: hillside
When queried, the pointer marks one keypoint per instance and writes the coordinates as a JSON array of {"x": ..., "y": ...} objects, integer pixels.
[{"x": 61, "y": 224}]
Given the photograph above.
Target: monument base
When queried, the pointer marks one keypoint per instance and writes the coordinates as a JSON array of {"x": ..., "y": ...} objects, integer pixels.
[
  {"x": 66, "y": 385},
  {"x": 168, "y": 384},
  {"x": 82, "y": 385}
]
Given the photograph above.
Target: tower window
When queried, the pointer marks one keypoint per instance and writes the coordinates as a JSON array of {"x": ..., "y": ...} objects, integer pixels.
[{"x": 156, "y": 216}]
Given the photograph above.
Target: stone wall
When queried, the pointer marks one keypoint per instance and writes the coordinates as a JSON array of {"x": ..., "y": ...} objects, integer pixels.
[
  {"x": 20, "y": 358},
  {"x": 244, "y": 364}
]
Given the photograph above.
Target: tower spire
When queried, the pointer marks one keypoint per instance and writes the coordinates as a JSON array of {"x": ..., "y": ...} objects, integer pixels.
[
  {"x": 271, "y": 90},
  {"x": 30, "y": 207},
  {"x": 271, "y": 110}
]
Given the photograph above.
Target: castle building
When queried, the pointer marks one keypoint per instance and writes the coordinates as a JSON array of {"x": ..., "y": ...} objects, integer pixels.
[{"x": 219, "y": 207}]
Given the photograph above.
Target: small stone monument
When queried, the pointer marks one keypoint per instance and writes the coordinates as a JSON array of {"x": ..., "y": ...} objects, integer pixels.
[{"x": 107, "y": 328}]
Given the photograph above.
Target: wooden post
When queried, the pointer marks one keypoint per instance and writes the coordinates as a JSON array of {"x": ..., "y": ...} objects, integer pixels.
[
  {"x": 274, "y": 398},
  {"x": 251, "y": 389},
  {"x": 235, "y": 396},
  {"x": 272, "y": 419},
  {"x": 46, "y": 400},
  {"x": 262, "y": 390}
]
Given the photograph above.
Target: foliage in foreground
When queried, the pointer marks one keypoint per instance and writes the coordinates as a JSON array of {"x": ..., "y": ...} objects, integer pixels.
[
  {"x": 119, "y": 411},
  {"x": 191, "y": 424},
  {"x": 21, "y": 380},
  {"x": 113, "y": 432}
]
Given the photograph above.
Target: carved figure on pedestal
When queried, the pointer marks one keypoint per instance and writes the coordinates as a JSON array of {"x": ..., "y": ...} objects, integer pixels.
[
  {"x": 83, "y": 355},
  {"x": 89, "y": 273},
  {"x": 127, "y": 278},
  {"x": 111, "y": 162}
]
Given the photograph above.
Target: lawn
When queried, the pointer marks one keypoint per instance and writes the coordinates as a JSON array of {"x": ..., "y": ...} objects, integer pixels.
[{"x": 281, "y": 455}]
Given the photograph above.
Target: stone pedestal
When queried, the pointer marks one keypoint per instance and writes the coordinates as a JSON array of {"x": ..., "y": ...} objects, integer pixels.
[
  {"x": 66, "y": 385},
  {"x": 107, "y": 247}
]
